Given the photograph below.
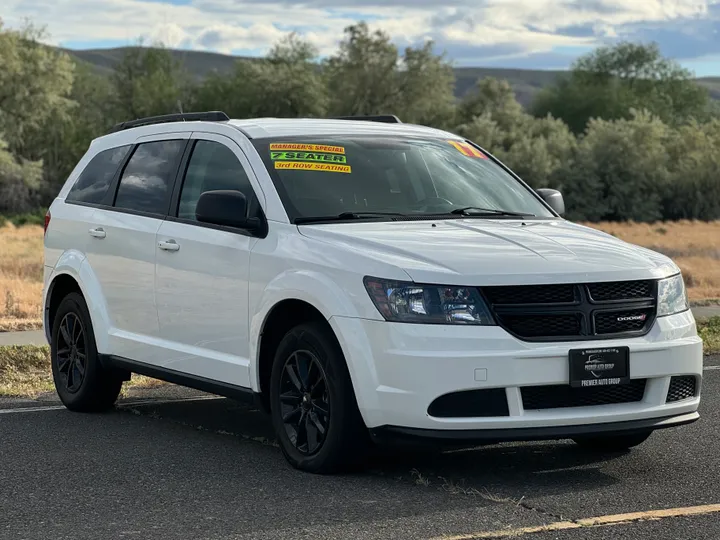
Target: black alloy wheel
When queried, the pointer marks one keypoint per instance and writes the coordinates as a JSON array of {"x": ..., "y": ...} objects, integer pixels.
[
  {"x": 305, "y": 403},
  {"x": 312, "y": 402},
  {"x": 71, "y": 356}
]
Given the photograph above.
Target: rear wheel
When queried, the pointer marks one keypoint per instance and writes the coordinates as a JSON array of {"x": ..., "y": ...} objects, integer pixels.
[
  {"x": 80, "y": 381},
  {"x": 612, "y": 443},
  {"x": 313, "y": 404}
]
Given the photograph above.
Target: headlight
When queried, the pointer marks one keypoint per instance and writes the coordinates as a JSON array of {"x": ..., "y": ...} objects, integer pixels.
[
  {"x": 672, "y": 296},
  {"x": 428, "y": 304}
]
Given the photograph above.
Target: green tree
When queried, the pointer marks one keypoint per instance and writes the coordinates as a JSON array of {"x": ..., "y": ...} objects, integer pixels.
[
  {"x": 534, "y": 148},
  {"x": 65, "y": 137},
  {"x": 20, "y": 181},
  {"x": 368, "y": 76},
  {"x": 287, "y": 83},
  {"x": 612, "y": 81},
  {"x": 35, "y": 83},
  {"x": 693, "y": 191},
  {"x": 619, "y": 170},
  {"x": 148, "y": 81}
]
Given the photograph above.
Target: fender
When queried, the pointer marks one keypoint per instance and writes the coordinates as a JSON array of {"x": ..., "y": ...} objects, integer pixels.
[
  {"x": 316, "y": 289},
  {"x": 74, "y": 264}
]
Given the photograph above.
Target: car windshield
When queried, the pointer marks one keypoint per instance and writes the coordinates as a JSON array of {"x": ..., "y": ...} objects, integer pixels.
[{"x": 376, "y": 177}]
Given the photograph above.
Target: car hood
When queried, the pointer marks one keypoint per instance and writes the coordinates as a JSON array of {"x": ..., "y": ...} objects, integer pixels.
[{"x": 494, "y": 252}]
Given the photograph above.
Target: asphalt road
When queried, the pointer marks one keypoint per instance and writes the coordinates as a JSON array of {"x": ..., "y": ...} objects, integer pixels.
[{"x": 208, "y": 469}]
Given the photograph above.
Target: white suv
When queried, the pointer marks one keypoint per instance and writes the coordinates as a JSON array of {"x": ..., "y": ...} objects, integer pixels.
[{"x": 362, "y": 280}]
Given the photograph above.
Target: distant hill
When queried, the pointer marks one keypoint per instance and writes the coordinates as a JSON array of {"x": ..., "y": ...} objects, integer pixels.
[{"x": 525, "y": 82}]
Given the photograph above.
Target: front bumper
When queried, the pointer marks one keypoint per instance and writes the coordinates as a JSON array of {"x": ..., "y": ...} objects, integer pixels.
[
  {"x": 398, "y": 370},
  {"x": 384, "y": 434}
]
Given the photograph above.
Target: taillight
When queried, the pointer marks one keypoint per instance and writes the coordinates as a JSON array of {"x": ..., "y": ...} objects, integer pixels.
[{"x": 47, "y": 222}]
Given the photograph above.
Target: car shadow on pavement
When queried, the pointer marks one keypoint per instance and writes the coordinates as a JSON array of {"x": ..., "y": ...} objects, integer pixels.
[{"x": 554, "y": 466}]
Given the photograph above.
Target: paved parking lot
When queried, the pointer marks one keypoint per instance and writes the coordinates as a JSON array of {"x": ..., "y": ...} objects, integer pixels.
[{"x": 159, "y": 467}]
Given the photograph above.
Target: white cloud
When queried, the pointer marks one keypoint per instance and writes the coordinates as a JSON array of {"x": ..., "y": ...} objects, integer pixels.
[{"x": 530, "y": 26}]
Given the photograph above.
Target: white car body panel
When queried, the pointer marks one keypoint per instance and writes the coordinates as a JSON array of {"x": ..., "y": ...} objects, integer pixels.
[{"x": 201, "y": 310}]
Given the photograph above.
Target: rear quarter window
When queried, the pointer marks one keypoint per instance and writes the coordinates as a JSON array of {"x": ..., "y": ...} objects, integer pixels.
[{"x": 93, "y": 183}]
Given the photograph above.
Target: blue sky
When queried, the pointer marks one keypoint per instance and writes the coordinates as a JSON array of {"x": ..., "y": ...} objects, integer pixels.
[{"x": 538, "y": 34}]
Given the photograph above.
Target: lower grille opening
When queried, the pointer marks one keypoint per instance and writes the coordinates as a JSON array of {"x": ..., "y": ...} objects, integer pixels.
[
  {"x": 471, "y": 403},
  {"x": 534, "y": 326},
  {"x": 684, "y": 387},
  {"x": 564, "y": 395}
]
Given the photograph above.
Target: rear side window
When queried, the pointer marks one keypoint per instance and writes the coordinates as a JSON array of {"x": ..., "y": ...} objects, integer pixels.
[
  {"x": 93, "y": 183},
  {"x": 147, "y": 180}
]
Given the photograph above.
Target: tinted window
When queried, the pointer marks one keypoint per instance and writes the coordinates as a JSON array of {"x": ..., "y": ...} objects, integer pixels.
[
  {"x": 94, "y": 181},
  {"x": 146, "y": 182},
  {"x": 318, "y": 177},
  {"x": 212, "y": 166}
]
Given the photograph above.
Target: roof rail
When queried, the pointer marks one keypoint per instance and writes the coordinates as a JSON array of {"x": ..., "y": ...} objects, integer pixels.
[
  {"x": 210, "y": 116},
  {"x": 385, "y": 118}
]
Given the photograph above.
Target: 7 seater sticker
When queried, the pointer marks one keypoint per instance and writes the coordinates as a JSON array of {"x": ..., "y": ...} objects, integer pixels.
[{"x": 309, "y": 157}]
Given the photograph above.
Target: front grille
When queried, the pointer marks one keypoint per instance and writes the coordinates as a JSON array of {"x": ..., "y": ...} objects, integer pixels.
[
  {"x": 471, "y": 403},
  {"x": 562, "y": 396},
  {"x": 681, "y": 388},
  {"x": 531, "y": 294},
  {"x": 567, "y": 312},
  {"x": 621, "y": 290},
  {"x": 533, "y": 326}
]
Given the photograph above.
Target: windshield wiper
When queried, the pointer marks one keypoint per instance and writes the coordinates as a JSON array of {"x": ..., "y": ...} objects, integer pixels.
[
  {"x": 475, "y": 211},
  {"x": 347, "y": 216}
]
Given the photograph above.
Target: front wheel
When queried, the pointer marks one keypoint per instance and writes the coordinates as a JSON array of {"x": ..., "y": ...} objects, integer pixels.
[
  {"x": 313, "y": 404},
  {"x": 612, "y": 443}
]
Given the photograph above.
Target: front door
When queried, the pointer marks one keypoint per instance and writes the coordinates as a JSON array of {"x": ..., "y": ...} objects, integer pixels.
[{"x": 202, "y": 270}]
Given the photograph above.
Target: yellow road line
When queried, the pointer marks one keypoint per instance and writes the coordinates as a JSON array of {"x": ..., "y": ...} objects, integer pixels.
[{"x": 600, "y": 521}]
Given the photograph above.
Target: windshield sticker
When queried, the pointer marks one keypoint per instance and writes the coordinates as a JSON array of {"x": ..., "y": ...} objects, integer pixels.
[
  {"x": 308, "y": 156},
  {"x": 307, "y": 148},
  {"x": 468, "y": 149},
  {"x": 304, "y": 166}
]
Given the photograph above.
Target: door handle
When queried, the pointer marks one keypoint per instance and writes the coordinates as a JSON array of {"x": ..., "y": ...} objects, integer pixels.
[
  {"x": 97, "y": 233},
  {"x": 169, "y": 245}
]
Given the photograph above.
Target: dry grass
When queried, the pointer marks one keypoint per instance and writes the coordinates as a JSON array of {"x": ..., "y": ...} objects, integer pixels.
[
  {"x": 25, "y": 372},
  {"x": 709, "y": 331},
  {"x": 695, "y": 246},
  {"x": 21, "y": 272}
]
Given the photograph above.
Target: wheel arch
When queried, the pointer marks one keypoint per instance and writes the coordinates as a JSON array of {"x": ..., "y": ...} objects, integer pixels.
[
  {"x": 280, "y": 319},
  {"x": 73, "y": 273}
]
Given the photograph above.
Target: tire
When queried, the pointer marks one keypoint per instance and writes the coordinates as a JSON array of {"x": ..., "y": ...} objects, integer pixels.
[
  {"x": 310, "y": 351},
  {"x": 80, "y": 380},
  {"x": 612, "y": 443}
]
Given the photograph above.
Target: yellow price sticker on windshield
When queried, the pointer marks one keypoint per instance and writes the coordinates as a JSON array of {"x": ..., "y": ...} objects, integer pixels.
[
  {"x": 305, "y": 166},
  {"x": 298, "y": 147}
]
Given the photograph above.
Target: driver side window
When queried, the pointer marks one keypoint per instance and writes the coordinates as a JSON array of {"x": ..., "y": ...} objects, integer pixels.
[{"x": 213, "y": 166}]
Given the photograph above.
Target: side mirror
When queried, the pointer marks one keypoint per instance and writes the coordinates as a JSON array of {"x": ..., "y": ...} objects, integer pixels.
[
  {"x": 224, "y": 207},
  {"x": 554, "y": 199}
]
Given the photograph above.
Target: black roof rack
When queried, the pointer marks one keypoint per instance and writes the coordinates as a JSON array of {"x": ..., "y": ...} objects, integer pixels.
[
  {"x": 385, "y": 118},
  {"x": 210, "y": 116}
]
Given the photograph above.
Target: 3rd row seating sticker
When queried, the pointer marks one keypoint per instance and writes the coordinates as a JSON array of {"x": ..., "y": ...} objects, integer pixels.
[
  {"x": 468, "y": 149},
  {"x": 306, "y": 166}
]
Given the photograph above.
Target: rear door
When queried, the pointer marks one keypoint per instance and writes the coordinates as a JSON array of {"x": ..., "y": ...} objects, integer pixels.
[
  {"x": 202, "y": 270},
  {"x": 122, "y": 247}
]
